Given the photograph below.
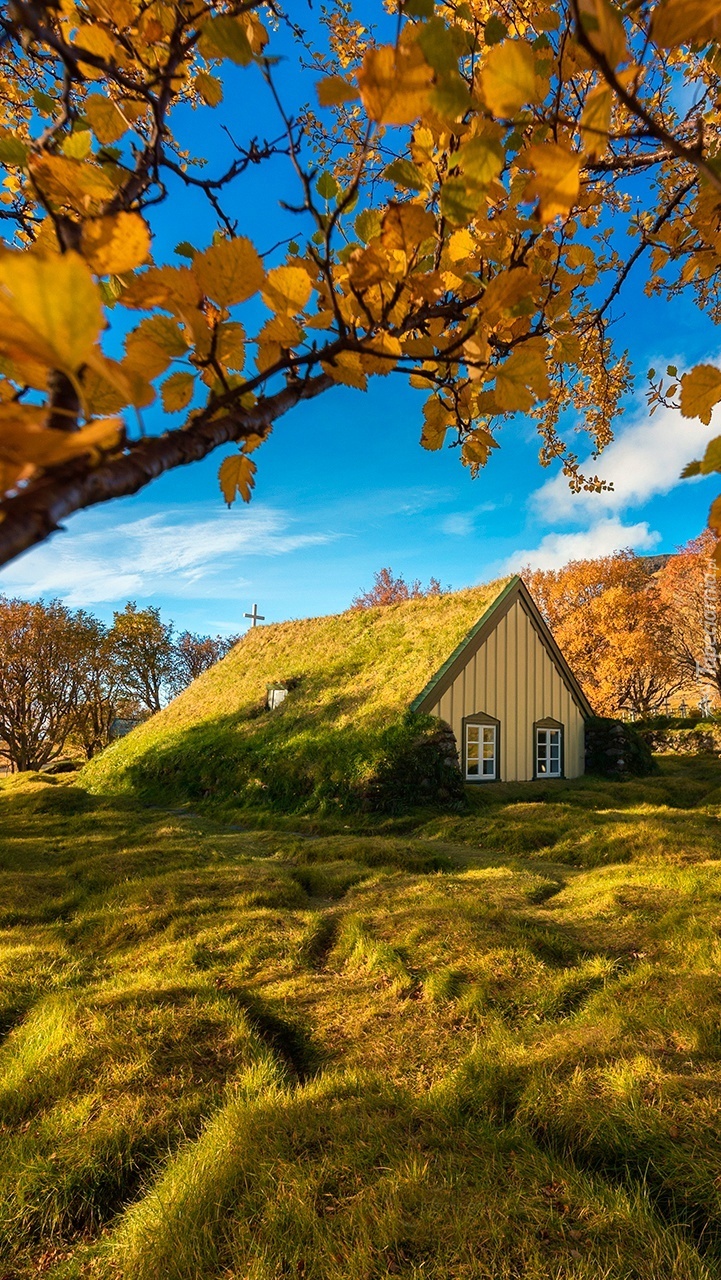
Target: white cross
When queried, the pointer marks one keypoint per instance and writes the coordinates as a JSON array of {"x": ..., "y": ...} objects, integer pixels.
[{"x": 257, "y": 617}]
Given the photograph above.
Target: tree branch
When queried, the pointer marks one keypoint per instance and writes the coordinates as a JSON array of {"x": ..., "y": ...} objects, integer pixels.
[
  {"x": 692, "y": 155},
  {"x": 36, "y": 512}
]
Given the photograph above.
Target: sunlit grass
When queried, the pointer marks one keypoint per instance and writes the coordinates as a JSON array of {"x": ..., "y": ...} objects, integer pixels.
[{"x": 473, "y": 1045}]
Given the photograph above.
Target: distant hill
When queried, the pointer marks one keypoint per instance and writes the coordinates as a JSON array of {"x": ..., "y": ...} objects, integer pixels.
[
  {"x": 654, "y": 564},
  {"x": 351, "y": 678}
]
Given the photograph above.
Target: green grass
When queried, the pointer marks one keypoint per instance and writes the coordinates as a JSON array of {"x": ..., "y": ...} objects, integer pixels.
[
  {"x": 477, "y": 1046},
  {"x": 352, "y": 678}
]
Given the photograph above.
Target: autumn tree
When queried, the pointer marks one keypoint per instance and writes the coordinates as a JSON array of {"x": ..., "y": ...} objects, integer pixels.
[
  {"x": 690, "y": 586},
  {"x": 615, "y": 628},
  {"x": 389, "y": 590},
  {"x": 142, "y": 646},
  {"x": 194, "y": 654},
  {"x": 472, "y": 194},
  {"x": 101, "y": 693},
  {"x": 42, "y": 650}
]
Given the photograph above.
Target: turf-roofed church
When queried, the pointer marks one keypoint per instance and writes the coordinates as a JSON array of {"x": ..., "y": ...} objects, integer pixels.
[
  {"x": 507, "y": 692},
  {"x": 366, "y": 706}
]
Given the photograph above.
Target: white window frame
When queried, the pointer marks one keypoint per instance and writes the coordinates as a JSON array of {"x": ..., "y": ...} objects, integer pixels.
[
  {"x": 484, "y": 734},
  {"x": 544, "y": 737}
]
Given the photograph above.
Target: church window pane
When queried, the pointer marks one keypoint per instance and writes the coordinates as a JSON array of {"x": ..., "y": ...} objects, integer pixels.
[{"x": 481, "y": 751}]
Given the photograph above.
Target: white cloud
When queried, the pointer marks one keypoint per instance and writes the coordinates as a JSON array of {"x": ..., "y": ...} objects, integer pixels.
[
  {"x": 167, "y": 552},
  {"x": 458, "y": 525},
  {"x": 644, "y": 460},
  {"x": 462, "y": 524},
  {"x": 602, "y": 539}
]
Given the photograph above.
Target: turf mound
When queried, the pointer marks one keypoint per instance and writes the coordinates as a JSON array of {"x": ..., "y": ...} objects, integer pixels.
[{"x": 342, "y": 736}]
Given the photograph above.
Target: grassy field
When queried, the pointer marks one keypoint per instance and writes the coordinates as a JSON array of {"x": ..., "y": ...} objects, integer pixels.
[{"x": 480, "y": 1046}]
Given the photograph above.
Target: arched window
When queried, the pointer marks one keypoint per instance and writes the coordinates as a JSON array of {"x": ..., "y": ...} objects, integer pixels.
[
  {"x": 548, "y": 748},
  {"x": 481, "y": 748}
]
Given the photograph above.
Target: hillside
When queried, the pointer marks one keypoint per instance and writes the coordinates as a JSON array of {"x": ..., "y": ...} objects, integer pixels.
[
  {"x": 353, "y": 676},
  {"x": 478, "y": 1046}
]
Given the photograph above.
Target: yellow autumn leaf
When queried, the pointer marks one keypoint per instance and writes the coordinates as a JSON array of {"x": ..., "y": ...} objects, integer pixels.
[
  {"x": 394, "y": 83},
  {"x": 507, "y": 290},
  {"x": 230, "y": 271},
  {"x": 287, "y": 290},
  {"x": 177, "y": 391},
  {"x": 230, "y": 344},
  {"x": 106, "y": 119},
  {"x": 78, "y": 145},
  {"x": 334, "y": 90},
  {"x": 700, "y": 391},
  {"x": 405, "y": 226},
  {"x": 714, "y": 522},
  {"x": 567, "y": 348},
  {"x": 520, "y": 381},
  {"x": 72, "y": 182},
  {"x": 678, "y": 22},
  {"x": 281, "y": 329},
  {"x": 142, "y": 391},
  {"x": 20, "y": 426},
  {"x": 253, "y": 441},
  {"x": 209, "y": 89},
  {"x": 437, "y": 419},
  {"x": 555, "y": 182},
  {"x": 50, "y": 309},
  {"x": 105, "y": 389},
  {"x": 596, "y": 121},
  {"x": 236, "y": 475},
  {"x": 346, "y": 368},
  {"x": 604, "y": 28},
  {"x": 121, "y": 13},
  {"x": 25, "y": 441},
  {"x": 481, "y": 159},
  {"x": 170, "y": 287},
  {"x": 116, "y": 243},
  {"x": 509, "y": 78},
  {"x": 477, "y": 447},
  {"x": 461, "y": 245},
  {"x": 228, "y": 37},
  {"x": 151, "y": 347},
  {"x": 381, "y": 354},
  {"x": 95, "y": 40},
  {"x": 269, "y": 354},
  {"x": 94, "y": 439}
]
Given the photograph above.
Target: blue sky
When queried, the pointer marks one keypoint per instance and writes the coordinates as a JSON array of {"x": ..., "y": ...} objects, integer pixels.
[{"x": 344, "y": 488}]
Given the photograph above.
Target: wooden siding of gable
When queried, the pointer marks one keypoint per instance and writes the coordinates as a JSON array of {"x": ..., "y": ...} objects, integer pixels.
[{"x": 513, "y": 677}]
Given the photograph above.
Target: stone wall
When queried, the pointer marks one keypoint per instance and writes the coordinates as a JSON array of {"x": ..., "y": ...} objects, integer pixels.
[
  {"x": 617, "y": 749},
  {"x": 703, "y": 738},
  {"x": 422, "y": 769}
]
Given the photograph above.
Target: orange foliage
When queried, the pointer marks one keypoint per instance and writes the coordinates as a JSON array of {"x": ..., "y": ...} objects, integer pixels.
[
  {"x": 615, "y": 628},
  {"x": 389, "y": 590},
  {"x": 690, "y": 587}
]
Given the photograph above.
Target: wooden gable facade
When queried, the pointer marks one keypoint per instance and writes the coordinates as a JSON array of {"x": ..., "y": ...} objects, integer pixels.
[{"x": 516, "y": 709}]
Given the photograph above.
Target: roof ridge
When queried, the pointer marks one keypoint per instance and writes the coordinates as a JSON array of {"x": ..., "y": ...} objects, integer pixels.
[{"x": 511, "y": 585}]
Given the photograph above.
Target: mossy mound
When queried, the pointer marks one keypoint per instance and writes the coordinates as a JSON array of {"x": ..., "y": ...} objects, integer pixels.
[{"x": 343, "y": 736}]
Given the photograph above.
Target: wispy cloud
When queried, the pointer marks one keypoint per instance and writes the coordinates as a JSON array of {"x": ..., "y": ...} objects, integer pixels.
[
  {"x": 606, "y": 536},
  {"x": 458, "y": 525},
  {"x": 180, "y": 552},
  {"x": 462, "y": 524}
]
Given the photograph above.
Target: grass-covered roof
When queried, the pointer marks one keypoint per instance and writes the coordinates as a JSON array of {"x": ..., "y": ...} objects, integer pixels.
[{"x": 352, "y": 678}]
